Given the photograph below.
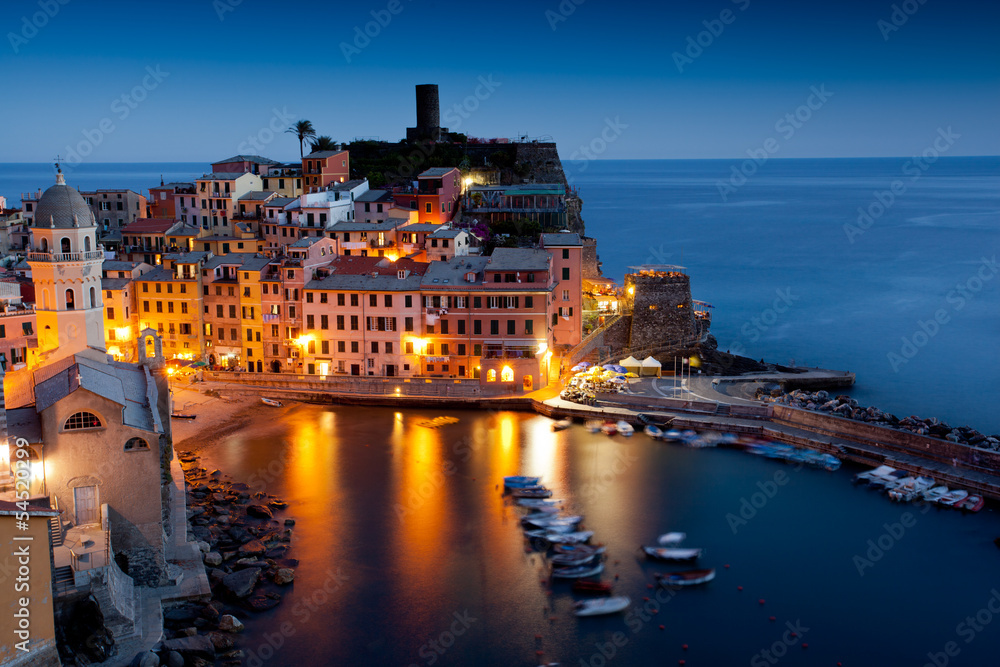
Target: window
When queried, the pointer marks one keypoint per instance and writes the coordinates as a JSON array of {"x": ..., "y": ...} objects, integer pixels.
[
  {"x": 565, "y": 295},
  {"x": 309, "y": 297},
  {"x": 354, "y": 300},
  {"x": 507, "y": 374},
  {"x": 354, "y": 347},
  {"x": 159, "y": 306},
  {"x": 354, "y": 322},
  {"x": 136, "y": 444},
  {"x": 565, "y": 253},
  {"x": 477, "y": 327},
  {"x": 324, "y": 321},
  {"x": 444, "y": 350},
  {"x": 323, "y": 297},
  {"x": 388, "y": 301},
  {"x": 341, "y": 346},
  {"x": 340, "y": 322},
  {"x": 477, "y": 302},
  {"x": 491, "y": 375},
  {"x": 145, "y": 306},
  {"x": 429, "y": 329},
  {"x": 444, "y": 326},
  {"x": 340, "y": 299},
  {"x": 565, "y": 273},
  {"x": 429, "y": 207},
  {"x": 81, "y": 420},
  {"x": 529, "y": 302},
  {"x": 529, "y": 326},
  {"x": 461, "y": 349},
  {"x": 388, "y": 347},
  {"x": 408, "y": 348},
  {"x": 510, "y": 327},
  {"x": 496, "y": 277},
  {"x": 218, "y": 311},
  {"x": 374, "y": 347},
  {"x": 461, "y": 326},
  {"x": 477, "y": 350},
  {"x": 408, "y": 324},
  {"x": 111, "y": 316},
  {"x": 310, "y": 322},
  {"x": 408, "y": 301},
  {"x": 325, "y": 347},
  {"x": 430, "y": 367},
  {"x": 494, "y": 327}
]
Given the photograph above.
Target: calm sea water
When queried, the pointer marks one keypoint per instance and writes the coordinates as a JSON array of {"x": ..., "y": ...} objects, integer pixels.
[
  {"x": 410, "y": 556},
  {"x": 906, "y": 300}
]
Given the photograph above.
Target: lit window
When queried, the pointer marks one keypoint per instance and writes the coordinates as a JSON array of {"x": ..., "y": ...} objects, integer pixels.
[
  {"x": 82, "y": 420},
  {"x": 491, "y": 375},
  {"x": 507, "y": 374}
]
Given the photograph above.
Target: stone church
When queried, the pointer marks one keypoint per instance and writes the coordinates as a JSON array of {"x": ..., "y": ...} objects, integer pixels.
[{"x": 99, "y": 430}]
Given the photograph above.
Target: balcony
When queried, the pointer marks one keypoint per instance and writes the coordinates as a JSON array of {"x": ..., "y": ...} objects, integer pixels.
[
  {"x": 382, "y": 243},
  {"x": 66, "y": 256},
  {"x": 249, "y": 215}
]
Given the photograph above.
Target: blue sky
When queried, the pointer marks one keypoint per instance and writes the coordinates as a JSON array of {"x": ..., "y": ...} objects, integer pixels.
[{"x": 598, "y": 76}]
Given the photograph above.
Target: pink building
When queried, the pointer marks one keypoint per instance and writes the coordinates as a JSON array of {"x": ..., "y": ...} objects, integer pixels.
[
  {"x": 438, "y": 192},
  {"x": 566, "y": 314}
]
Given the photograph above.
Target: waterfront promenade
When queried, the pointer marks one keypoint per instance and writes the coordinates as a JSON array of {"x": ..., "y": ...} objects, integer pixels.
[{"x": 701, "y": 402}]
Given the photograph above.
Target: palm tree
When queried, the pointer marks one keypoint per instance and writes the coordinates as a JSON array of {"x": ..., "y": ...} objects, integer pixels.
[
  {"x": 323, "y": 143},
  {"x": 303, "y": 129}
]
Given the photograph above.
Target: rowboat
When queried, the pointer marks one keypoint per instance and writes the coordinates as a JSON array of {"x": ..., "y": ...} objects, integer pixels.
[
  {"x": 671, "y": 539},
  {"x": 673, "y": 435},
  {"x": 609, "y": 428},
  {"x": 597, "y": 587},
  {"x": 178, "y": 415},
  {"x": 577, "y": 572},
  {"x": 688, "y": 578},
  {"x": 653, "y": 431},
  {"x": 531, "y": 492},
  {"x": 875, "y": 473},
  {"x": 952, "y": 498},
  {"x": 911, "y": 488},
  {"x": 541, "y": 513},
  {"x": 578, "y": 548},
  {"x": 572, "y": 560},
  {"x": 270, "y": 401},
  {"x": 577, "y": 537},
  {"x": 889, "y": 481},
  {"x": 539, "y": 502},
  {"x": 676, "y": 555},
  {"x": 562, "y": 424},
  {"x": 935, "y": 494},
  {"x": 624, "y": 428},
  {"x": 517, "y": 481},
  {"x": 601, "y": 606},
  {"x": 547, "y": 521},
  {"x": 971, "y": 504}
]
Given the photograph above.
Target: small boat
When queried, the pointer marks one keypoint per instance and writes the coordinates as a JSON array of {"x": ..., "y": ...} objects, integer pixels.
[
  {"x": 577, "y": 572},
  {"x": 572, "y": 560},
  {"x": 653, "y": 431},
  {"x": 935, "y": 494},
  {"x": 532, "y": 492},
  {"x": 594, "y": 425},
  {"x": 897, "y": 491},
  {"x": 973, "y": 503},
  {"x": 592, "y": 587},
  {"x": 609, "y": 428},
  {"x": 270, "y": 401},
  {"x": 551, "y": 520},
  {"x": 952, "y": 498},
  {"x": 438, "y": 422},
  {"x": 178, "y": 415},
  {"x": 541, "y": 513},
  {"x": 671, "y": 539},
  {"x": 537, "y": 503},
  {"x": 520, "y": 481},
  {"x": 879, "y": 472},
  {"x": 912, "y": 489},
  {"x": 624, "y": 428},
  {"x": 601, "y": 606},
  {"x": 889, "y": 481},
  {"x": 675, "y": 555},
  {"x": 562, "y": 424},
  {"x": 688, "y": 578},
  {"x": 673, "y": 435},
  {"x": 578, "y": 549},
  {"x": 565, "y": 538}
]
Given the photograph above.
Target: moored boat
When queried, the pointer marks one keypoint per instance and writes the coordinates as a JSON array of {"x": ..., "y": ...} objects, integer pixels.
[
  {"x": 271, "y": 402},
  {"x": 624, "y": 428},
  {"x": 675, "y": 555},
  {"x": 609, "y": 428},
  {"x": 572, "y": 560},
  {"x": 538, "y": 502},
  {"x": 973, "y": 503},
  {"x": 562, "y": 424},
  {"x": 653, "y": 431},
  {"x": 673, "y": 435},
  {"x": 520, "y": 481},
  {"x": 577, "y": 572},
  {"x": 592, "y": 587},
  {"x": 598, "y": 607},
  {"x": 671, "y": 539},
  {"x": 579, "y": 548},
  {"x": 879, "y": 472},
  {"x": 577, "y": 537},
  {"x": 935, "y": 494},
  {"x": 531, "y": 492},
  {"x": 593, "y": 425},
  {"x": 952, "y": 498},
  {"x": 688, "y": 578},
  {"x": 178, "y": 415}
]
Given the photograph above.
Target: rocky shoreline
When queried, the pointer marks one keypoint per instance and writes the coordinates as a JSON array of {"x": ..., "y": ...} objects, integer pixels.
[
  {"x": 245, "y": 550},
  {"x": 847, "y": 407}
]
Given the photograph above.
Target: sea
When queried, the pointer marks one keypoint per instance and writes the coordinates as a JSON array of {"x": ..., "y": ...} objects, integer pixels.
[
  {"x": 409, "y": 554},
  {"x": 883, "y": 267}
]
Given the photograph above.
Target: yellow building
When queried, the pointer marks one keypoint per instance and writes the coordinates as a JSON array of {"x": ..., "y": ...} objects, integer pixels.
[
  {"x": 169, "y": 301},
  {"x": 121, "y": 316}
]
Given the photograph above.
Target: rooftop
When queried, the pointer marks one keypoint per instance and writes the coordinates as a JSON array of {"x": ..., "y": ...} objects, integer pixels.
[
  {"x": 149, "y": 226},
  {"x": 436, "y": 172},
  {"x": 282, "y": 201},
  {"x": 224, "y": 176},
  {"x": 445, "y": 234},
  {"x": 247, "y": 158},
  {"x": 258, "y": 195},
  {"x": 355, "y": 226},
  {"x": 453, "y": 271},
  {"x": 561, "y": 239},
  {"x": 518, "y": 259},
  {"x": 319, "y": 155},
  {"x": 424, "y": 227},
  {"x": 375, "y": 196}
]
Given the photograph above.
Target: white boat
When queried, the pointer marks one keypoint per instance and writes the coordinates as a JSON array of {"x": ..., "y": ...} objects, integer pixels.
[
  {"x": 624, "y": 428},
  {"x": 594, "y": 425},
  {"x": 562, "y": 424},
  {"x": 676, "y": 555},
  {"x": 270, "y": 401},
  {"x": 609, "y": 428},
  {"x": 577, "y": 572},
  {"x": 935, "y": 494},
  {"x": 671, "y": 539},
  {"x": 566, "y": 538},
  {"x": 909, "y": 488},
  {"x": 573, "y": 560},
  {"x": 880, "y": 472},
  {"x": 653, "y": 431},
  {"x": 673, "y": 435},
  {"x": 539, "y": 502},
  {"x": 688, "y": 578},
  {"x": 556, "y": 524},
  {"x": 952, "y": 498},
  {"x": 890, "y": 481},
  {"x": 599, "y": 606}
]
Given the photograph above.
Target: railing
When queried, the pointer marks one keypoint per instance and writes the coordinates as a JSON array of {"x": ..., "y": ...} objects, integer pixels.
[
  {"x": 65, "y": 256},
  {"x": 383, "y": 243},
  {"x": 358, "y": 384}
]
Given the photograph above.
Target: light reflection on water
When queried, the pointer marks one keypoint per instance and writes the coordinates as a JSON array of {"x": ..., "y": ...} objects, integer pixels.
[{"x": 414, "y": 520}]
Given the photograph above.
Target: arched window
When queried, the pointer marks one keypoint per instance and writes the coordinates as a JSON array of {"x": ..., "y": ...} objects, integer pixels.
[
  {"x": 491, "y": 375},
  {"x": 65, "y": 245},
  {"x": 45, "y": 245},
  {"x": 82, "y": 420},
  {"x": 507, "y": 374},
  {"x": 86, "y": 243},
  {"x": 93, "y": 298},
  {"x": 70, "y": 300},
  {"x": 136, "y": 444}
]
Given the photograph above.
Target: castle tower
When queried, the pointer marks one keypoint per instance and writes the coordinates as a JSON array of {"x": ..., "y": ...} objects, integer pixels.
[
  {"x": 66, "y": 269},
  {"x": 659, "y": 298}
]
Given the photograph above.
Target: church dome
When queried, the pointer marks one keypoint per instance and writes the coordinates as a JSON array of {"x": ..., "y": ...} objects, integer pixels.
[{"x": 62, "y": 207}]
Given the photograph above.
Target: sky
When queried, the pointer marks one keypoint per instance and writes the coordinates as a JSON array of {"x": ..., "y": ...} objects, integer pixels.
[{"x": 186, "y": 80}]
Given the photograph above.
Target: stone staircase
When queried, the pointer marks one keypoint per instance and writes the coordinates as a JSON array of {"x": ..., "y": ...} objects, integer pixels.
[
  {"x": 63, "y": 580},
  {"x": 119, "y": 626},
  {"x": 57, "y": 531}
]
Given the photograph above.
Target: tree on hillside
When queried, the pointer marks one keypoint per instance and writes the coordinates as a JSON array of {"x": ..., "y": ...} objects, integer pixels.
[
  {"x": 324, "y": 143},
  {"x": 302, "y": 129}
]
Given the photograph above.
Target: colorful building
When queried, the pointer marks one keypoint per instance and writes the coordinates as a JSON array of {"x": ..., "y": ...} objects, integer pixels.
[
  {"x": 438, "y": 193},
  {"x": 322, "y": 168}
]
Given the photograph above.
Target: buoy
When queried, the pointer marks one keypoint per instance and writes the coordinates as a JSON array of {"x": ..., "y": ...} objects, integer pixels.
[
  {"x": 684, "y": 646},
  {"x": 771, "y": 618},
  {"x": 805, "y": 645},
  {"x": 645, "y": 599},
  {"x": 761, "y": 601},
  {"x": 739, "y": 588}
]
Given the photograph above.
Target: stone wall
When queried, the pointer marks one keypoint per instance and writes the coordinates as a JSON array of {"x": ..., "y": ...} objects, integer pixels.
[
  {"x": 591, "y": 261},
  {"x": 661, "y": 309}
]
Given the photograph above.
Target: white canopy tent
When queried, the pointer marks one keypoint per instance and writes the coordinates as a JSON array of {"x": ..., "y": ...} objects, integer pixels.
[
  {"x": 650, "y": 366},
  {"x": 631, "y": 364}
]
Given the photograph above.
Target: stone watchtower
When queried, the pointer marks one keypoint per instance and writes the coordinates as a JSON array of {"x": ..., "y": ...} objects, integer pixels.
[{"x": 659, "y": 297}]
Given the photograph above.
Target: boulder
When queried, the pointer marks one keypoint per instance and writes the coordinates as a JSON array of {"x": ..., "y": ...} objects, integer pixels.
[
  {"x": 262, "y": 603},
  {"x": 198, "y": 646},
  {"x": 253, "y": 548},
  {"x": 173, "y": 659},
  {"x": 229, "y": 623},
  {"x": 146, "y": 659},
  {"x": 289, "y": 522},
  {"x": 222, "y": 641},
  {"x": 284, "y": 576},
  {"x": 241, "y": 583},
  {"x": 259, "y": 511},
  {"x": 213, "y": 558}
]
